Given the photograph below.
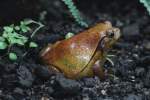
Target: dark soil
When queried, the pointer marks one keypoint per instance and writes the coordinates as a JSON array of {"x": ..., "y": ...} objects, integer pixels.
[{"x": 29, "y": 79}]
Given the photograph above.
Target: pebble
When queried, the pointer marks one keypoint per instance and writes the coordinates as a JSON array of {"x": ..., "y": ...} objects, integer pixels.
[
  {"x": 45, "y": 98},
  {"x": 132, "y": 97},
  {"x": 85, "y": 97},
  {"x": 25, "y": 76},
  {"x": 147, "y": 30},
  {"x": 63, "y": 86},
  {"x": 140, "y": 71},
  {"x": 131, "y": 32},
  {"x": 107, "y": 98},
  {"x": 147, "y": 45},
  {"x": 103, "y": 92},
  {"x": 89, "y": 82},
  {"x": 42, "y": 72},
  {"x": 91, "y": 92},
  {"x": 147, "y": 79},
  {"x": 145, "y": 60},
  {"x": 18, "y": 90},
  {"x": 8, "y": 97},
  {"x": 147, "y": 94},
  {"x": 50, "y": 90},
  {"x": 125, "y": 67},
  {"x": 10, "y": 68},
  {"x": 121, "y": 45}
]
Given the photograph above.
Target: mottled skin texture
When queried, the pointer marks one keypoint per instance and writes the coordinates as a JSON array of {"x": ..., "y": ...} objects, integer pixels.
[{"x": 82, "y": 55}]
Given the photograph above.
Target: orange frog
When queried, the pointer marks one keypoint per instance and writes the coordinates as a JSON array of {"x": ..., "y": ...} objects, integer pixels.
[{"x": 84, "y": 54}]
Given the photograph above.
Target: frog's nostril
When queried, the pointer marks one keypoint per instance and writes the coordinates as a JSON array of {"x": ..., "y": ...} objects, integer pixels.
[{"x": 111, "y": 34}]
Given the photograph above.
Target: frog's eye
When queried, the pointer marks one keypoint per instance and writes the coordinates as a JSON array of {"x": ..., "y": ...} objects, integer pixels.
[
  {"x": 110, "y": 34},
  {"x": 113, "y": 33}
]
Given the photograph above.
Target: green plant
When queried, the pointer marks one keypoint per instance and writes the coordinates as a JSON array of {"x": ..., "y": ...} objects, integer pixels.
[
  {"x": 75, "y": 12},
  {"x": 146, "y": 3},
  {"x": 33, "y": 45},
  {"x": 13, "y": 35},
  {"x": 12, "y": 56},
  {"x": 69, "y": 35}
]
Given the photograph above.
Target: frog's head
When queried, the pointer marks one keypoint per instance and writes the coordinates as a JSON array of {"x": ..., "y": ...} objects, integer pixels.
[{"x": 110, "y": 37}]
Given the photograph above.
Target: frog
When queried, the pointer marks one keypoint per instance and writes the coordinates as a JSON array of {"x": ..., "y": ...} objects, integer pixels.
[{"x": 82, "y": 55}]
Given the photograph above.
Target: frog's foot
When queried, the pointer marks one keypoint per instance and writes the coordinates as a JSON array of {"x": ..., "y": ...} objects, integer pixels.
[
  {"x": 111, "y": 74},
  {"x": 99, "y": 70},
  {"x": 108, "y": 58}
]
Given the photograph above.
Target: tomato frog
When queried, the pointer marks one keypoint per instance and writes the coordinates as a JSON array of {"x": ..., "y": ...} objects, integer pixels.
[{"x": 84, "y": 54}]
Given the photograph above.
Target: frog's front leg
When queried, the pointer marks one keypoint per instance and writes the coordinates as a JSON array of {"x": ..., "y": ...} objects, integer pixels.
[
  {"x": 99, "y": 70},
  {"x": 98, "y": 63}
]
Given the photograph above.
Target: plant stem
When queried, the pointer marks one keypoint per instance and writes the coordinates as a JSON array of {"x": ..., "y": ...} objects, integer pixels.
[{"x": 37, "y": 29}]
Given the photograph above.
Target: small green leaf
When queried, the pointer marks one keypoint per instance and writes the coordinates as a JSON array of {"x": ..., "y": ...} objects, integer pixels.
[
  {"x": 15, "y": 38},
  {"x": 28, "y": 21},
  {"x": 12, "y": 56},
  {"x": 24, "y": 28},
  {"x": 8, "y": 29},
  {"x": 21, "y": 22},
  {"x": 5, "y": 35},
  {"x": 17, "y": 28},
  {"x": 2, "y": 39},
  {"x": 3, "y": 45},
  {"x": 69, "y": 35},
  {"x": 33, "y": 45}
]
